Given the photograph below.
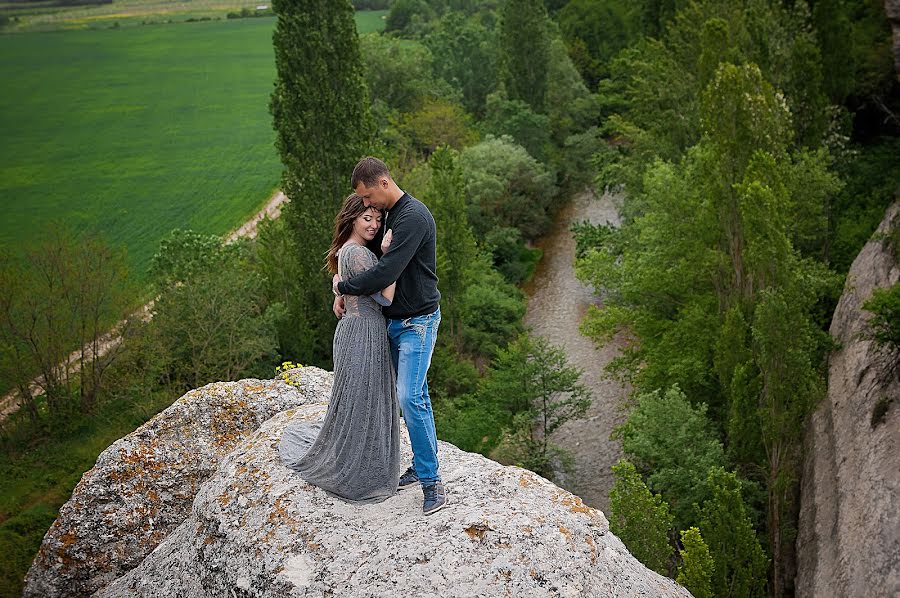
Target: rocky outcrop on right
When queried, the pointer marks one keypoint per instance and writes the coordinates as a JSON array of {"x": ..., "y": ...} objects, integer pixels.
[{"x": 849, "y": 533}]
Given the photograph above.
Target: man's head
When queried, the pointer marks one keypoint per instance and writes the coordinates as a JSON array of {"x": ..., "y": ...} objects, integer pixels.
[{"x": 372, "y": 181}]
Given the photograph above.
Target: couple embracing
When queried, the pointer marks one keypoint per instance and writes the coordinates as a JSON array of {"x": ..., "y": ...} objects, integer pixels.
[{"x": 389, "y": 314}]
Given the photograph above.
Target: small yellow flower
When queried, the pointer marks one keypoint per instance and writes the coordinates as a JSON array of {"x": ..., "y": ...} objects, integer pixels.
[{"x": 282, "y": 371}]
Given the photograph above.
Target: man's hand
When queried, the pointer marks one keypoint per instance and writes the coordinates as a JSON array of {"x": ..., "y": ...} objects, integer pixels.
[
  {"x": 338, "y": 307},
  {"x": 386, "y": 240}
]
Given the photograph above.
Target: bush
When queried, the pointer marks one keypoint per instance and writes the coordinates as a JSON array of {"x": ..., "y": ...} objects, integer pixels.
[
  {"x": 505, "y": 186},
  {"x": 696, "y": 569},
  {"x": 740, "y": 563},
  {"x": 884, "y": 325},
  {"x": 672, "y": 443},
  {"x": 512, "y": 258},
  {"x": 639, "y": 518},
  {"x": 491, "y": 311}
]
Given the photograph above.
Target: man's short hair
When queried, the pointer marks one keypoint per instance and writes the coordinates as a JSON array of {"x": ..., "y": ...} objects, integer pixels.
[{"x": 368, "y": 171}]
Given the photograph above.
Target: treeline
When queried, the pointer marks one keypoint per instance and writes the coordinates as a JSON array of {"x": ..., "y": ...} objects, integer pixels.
[
  {"x": 493, "y": 151},
  {"x": 755, "y": 143},
  {"x": 481, "y": 113}
]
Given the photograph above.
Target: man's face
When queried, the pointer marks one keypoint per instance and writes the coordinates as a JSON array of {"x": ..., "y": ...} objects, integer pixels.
[{"x": 375, "y": 196}]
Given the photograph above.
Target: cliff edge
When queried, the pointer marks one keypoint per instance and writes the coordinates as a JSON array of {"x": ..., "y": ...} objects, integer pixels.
[
  {"x": 196, "y": 503},
  {"x": 849, "y": 534}
]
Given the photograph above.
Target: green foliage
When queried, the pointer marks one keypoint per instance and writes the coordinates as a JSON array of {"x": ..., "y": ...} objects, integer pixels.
[
  {"x": 697, "y": 567},
  {"x": 516, "y": 119},
  {"x": 872, "y": 179},
  {"x": 589, "y": 236},
  {"x": 319, "y": 109},
  {"x": 531, "y": 380},
  {"x": 211, "y": 320},
  {"x": 437, "y": 123},
  {"x": 506, "y": 187},
  {"x": 673, "y": 445},
  {"x": 62, "y": 297},
  {"x": 525, "y": 51},
  {"x": 740, "y": 563},
  {"x": 640, "y": 519},
  {"x": 455, "y": 242},
  {"x": 398, "y": 72},
  {"x": 491, "y": 309},
  {"x": 602, "y": 29},
  {"x": 884, "y": 304},
  {"x": 511, "y": 257},
  {"x": 408, "y": 16},
  {"x": 457, "y": 43}
]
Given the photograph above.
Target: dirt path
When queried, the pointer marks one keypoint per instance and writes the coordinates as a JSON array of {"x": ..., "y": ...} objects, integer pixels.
[
  {"x": 557, "y": 303},
  {"x": 10, "y": 402}
]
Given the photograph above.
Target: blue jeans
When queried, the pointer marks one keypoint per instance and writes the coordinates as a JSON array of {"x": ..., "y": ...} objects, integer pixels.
[{"x": 412, "y": 343}]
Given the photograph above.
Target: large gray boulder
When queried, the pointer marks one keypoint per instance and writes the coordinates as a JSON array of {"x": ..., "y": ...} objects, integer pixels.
[
  {"x": 142, "y": 486},
  {"x": 257, "y": 529},
  {"x": 207, "y": 510},
  {"x": 849, "y": 533}
]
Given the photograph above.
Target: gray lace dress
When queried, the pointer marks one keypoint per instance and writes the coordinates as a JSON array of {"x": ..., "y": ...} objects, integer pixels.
[{"x": 354, "y": 453}]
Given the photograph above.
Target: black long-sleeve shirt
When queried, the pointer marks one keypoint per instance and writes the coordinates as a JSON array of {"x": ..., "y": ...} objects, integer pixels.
[{"x": 411, "y": 260}]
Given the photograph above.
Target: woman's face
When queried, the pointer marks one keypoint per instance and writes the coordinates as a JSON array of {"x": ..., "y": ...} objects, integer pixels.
[{"x": 367, "y": 224}]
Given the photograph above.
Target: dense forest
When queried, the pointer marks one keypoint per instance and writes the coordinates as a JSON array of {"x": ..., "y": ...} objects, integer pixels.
[{"x": 755, "y": 145}]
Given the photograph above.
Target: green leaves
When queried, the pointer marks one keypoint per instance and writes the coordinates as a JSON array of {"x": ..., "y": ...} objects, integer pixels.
[
  {"x": 674, "y": 445},
  {"x": 740, "y": 563},
  {"x": 639, "y": 518}
]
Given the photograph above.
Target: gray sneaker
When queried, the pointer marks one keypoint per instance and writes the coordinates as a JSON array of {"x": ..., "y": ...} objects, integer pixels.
[
  {"x": 435, "y": 498},
  {"x": 408, "y": 479}
]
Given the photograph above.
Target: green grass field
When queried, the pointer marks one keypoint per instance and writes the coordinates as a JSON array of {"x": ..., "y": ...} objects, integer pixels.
[{"x": 136, "y": 131}]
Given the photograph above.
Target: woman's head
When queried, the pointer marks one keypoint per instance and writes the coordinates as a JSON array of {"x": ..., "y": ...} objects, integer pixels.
[{"x": 353, "y": 216}]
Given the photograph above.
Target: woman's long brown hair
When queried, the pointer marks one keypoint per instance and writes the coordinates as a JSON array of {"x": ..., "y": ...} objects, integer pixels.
[{"x": 352, "y": 209}]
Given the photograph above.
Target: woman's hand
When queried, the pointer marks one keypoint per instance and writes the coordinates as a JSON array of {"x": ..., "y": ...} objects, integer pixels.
[{"x": 386, "y": 240}]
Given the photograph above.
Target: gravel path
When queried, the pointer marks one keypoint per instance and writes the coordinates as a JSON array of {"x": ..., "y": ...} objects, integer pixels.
[{"x": 557, "y": 303}]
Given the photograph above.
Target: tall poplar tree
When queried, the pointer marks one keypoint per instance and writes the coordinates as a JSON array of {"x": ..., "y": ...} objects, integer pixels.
[
  {"x": 525, "y": 51},
  {"x": 456, "y": 249},
  {"x": 320, "y": 112}
]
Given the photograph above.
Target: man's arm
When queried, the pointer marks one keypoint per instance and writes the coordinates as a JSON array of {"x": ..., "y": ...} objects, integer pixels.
[{"x": 407, "y": 237}]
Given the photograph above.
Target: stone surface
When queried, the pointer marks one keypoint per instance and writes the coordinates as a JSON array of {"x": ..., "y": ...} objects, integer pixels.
[
  {"x": 257, "y": 529},
  {"x": 197, "y": 504},
  {"x": 849, "y": 533},
  {"x": 142, "y": 486}
]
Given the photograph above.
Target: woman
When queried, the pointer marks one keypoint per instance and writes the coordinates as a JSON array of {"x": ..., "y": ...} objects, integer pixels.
[{"x": 355, "y": 452}]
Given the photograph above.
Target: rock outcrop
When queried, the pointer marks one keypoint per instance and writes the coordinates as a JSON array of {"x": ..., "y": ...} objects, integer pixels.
[
  {"x": 142, "y": 486},
  {"x": 849, "y": 536},
  {"x": 243, "y": 524}
]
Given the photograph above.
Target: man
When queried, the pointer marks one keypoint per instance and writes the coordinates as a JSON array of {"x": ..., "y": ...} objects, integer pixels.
[{"x": 412, "y": 318}]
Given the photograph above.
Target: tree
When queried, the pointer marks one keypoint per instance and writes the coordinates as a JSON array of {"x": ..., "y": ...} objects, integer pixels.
[
  {"x": 319, "y": 109},
  {"x": 211, "y": 320},
  {"x": 455, "y": 243},
  {"x": 740, "y": 563},
  {"x": 602, "y": 29},
  {"x": 640, "y": 519},
  {"x": 58, "y": 303},
  {"x": 505, "y": 186},
  {"x": 531, "y": 379},
  {"x": 674, "y": 445},
  {"x": 457, "y": 43},
  {"x": 525, "y": 51},
  {"x": 696, "y": 569},
  {"x": 398, "y": 72},
  {"x": 491, "y": 310}
]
